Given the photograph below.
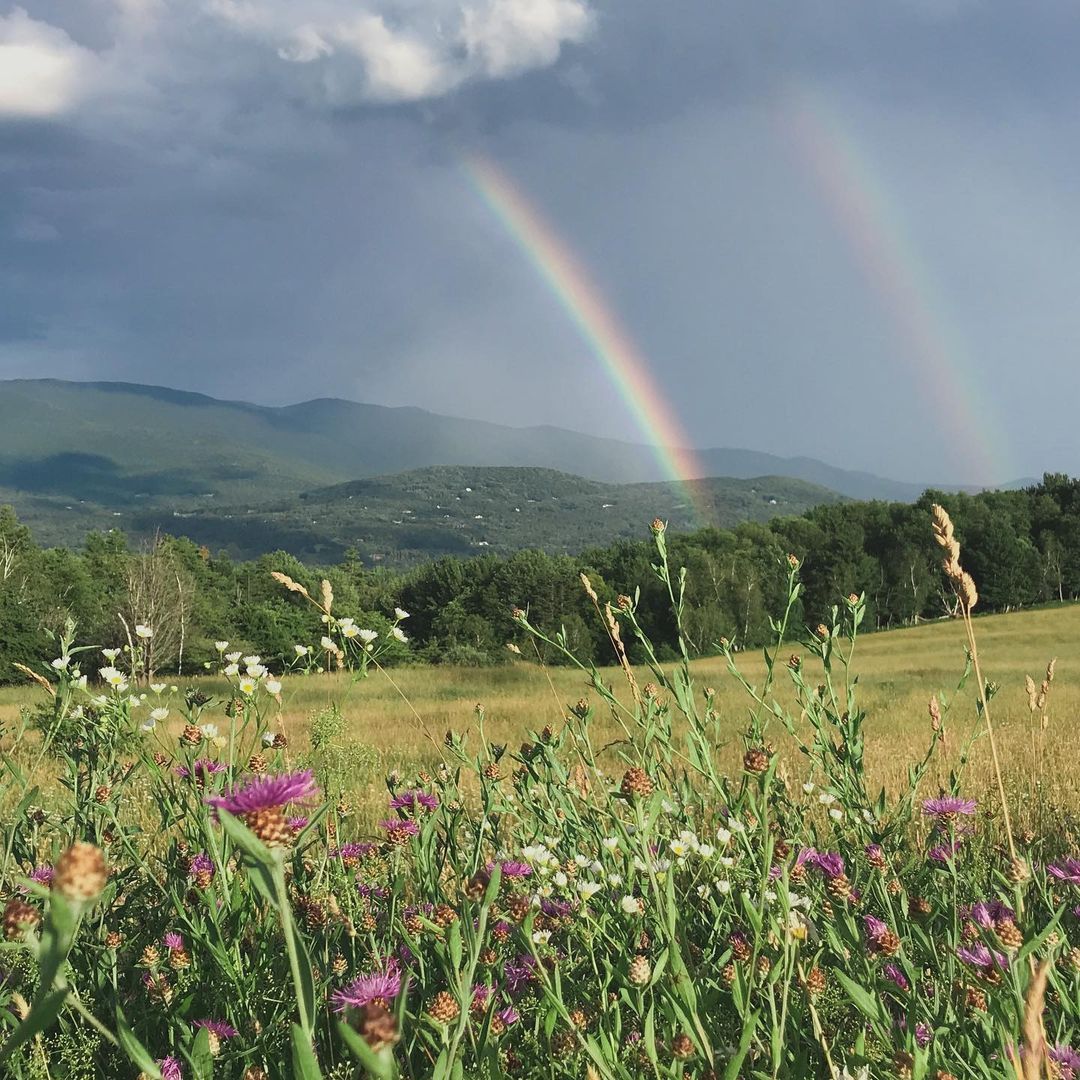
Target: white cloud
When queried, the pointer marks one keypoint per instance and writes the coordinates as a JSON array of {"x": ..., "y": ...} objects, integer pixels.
[
  {"x": 509, "y": 36},
  {"x": 402, "y": 50},
  {"x": 42, "y": 71}
]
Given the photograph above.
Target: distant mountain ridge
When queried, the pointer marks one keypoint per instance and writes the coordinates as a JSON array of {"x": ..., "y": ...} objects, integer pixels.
[{"x": 127, "y": 434}]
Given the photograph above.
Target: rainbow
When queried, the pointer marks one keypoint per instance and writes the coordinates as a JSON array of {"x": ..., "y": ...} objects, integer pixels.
[
  {"x": 596, "y": 323},
  {"x": 864, "y": 213}
]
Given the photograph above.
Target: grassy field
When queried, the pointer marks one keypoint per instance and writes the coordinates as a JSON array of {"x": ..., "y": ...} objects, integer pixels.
[{"x": 401, "y": 724}]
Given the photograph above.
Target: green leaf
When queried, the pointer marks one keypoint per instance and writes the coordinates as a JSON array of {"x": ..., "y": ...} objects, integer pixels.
[
  {"x": 305, "y": 1064},
  {"x": 42, "y": 1016},
  {"x": 202, "y": 1060},
  {"x": 861, "y": 998},
  {"x": 378, "y": 1064},
  {"x": 454, "y": 945},
  {"x": 136, "y": 1052}
]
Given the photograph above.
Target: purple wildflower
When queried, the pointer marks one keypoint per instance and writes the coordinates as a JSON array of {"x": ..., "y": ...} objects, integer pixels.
[
  {"x": 978, "y": 955},
  {"x": 218, "y": 1028},
  {"x": 297, "y": 824},
  {"x": 200, "y": 864},
  {"x": 946, "y": 807},
  {"x": 874, "y": 852},
  {"x": 509, "y": 1015},
  {"x": 1068, "y": 870},
  {"x": 43, "y": 875},
  {"x": 896, "y": 976},
  {"x": 519, "y": 972},
  {"x": 480, "y": 994},
  {"x": 828, "y": 862},
  {"x": 385, "y": 984},
  {"x": 267, "y": 793},
  {"x": 988, "y": 913},
  {"x": 200, "y": 770},
  {"x": 923, "y": 1035},
  {"x": 353, "y": 851},
  {"x": 874, "y": 927},
  {"x": 556, "y": 909},
  {"x": 170, "y": 1068},
  {"x": 944, "y": 853},
  {"x": 514, "y": 868},
  {"x": 1067, "y": 1061},
  {"x": 398, "y": 830},
  {"x": 410, "y": 800},
  {"x": 172, "y": 941}
]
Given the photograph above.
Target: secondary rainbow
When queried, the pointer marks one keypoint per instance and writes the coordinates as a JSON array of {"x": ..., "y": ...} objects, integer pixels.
[
  {"x": 866, "y": 215},
  {"x": 596, "y": 322}
]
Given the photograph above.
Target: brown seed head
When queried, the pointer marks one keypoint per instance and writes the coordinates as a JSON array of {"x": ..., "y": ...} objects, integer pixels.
[
  {"x": 376, "y": 1025},
  {"x": 682, "y": 1047},
  {"x": 636, "y": 782},
  {"x": 19, "y": 918},
  {"x": 443, "y": 1008},
  {"x": 640, "y": 970},
  {"x": 80, "y": 873}
]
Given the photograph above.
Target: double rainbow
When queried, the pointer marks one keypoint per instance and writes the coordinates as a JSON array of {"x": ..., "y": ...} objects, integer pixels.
[{"x": 596, "y": 322}]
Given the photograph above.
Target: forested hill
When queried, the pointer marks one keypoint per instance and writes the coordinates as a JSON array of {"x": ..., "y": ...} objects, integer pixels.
[
  {"x": 411, "y": 517},
  {"x": 1022, "y": 547}
]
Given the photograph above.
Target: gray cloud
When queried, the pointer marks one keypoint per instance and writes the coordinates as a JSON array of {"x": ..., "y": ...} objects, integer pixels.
[{"x": 267, "y": 201}]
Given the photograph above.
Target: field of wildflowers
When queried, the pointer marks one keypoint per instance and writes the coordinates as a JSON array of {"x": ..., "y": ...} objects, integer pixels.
[{"x": 193, "y": 904}]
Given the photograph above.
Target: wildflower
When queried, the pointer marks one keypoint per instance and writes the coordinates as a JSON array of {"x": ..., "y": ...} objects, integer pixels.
[
  {"x": 988, "y": 913},
  {"x": 273, "y": 687},
  {"x": 383, "y": 986},
  {"x": 836, "y": 815},
  {"x": 519, "y": 972},
  {"x": 201, "y": 869},
  {"x": 200, "y": 770},
  {"x": 947, "y": 808},
  {"x": 157, "y": 715},
  {"x": 221, "y": 646},
  {"x": 588, "y": 889},
  {"x": 512, "y": 868},
  {"x": 1066, "y": 1059},
  {"x": 979, "y": 956},
  {"x": 398, "y": 634},
  {"x": 1068, "y": 871},
  {"x": 923, "y": 1035},
  {"x": 43, "y": 875},
  {"x": 943, "y": 853},
  {"x": 399, "y": 830},
  {"x": 233, "y": 657},
  {"x": 110, "y": 654},
  {"x": 144, "y": 632},
  {"x": 610, "y": 843},
  {"x": 300, "y": 650},
  {"x": 172, "y": 941},
  {"x": 630, "y": 905},
  {"x": 413, "y": 800},
  {"x": 170, "y": 1068},
  {"x": 259, "y": 802},
  {"x": 217, "y": 1030},
  {"x": 723, "y": 835},
  {"x": 248, "y": 685},
  {"x": 61, "y": 662},
  {"x": 116, "y": 679}
]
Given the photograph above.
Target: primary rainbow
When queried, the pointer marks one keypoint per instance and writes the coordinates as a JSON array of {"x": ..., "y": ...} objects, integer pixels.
[
  {"x": 596, "y": 322},
  {"x": 866, "y": 215}
]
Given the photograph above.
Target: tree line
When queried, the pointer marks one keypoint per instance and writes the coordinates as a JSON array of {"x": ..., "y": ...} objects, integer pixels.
[{"x": 1022, "y": 547}]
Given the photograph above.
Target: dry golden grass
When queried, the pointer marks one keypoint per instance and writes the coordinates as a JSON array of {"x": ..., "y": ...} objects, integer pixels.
[{"x": 898, "y": 670}]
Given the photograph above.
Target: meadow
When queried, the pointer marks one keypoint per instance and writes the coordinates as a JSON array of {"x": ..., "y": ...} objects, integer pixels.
[
  {"x": 398, "y": 719},
  {"x": 844, "y": 856}
]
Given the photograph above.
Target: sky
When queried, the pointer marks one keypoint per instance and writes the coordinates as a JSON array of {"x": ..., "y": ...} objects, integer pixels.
[{"x": 828, "y": 228}]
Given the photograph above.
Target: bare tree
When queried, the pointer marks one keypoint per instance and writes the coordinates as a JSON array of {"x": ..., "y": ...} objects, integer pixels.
[{"x": 156, "y": 600}]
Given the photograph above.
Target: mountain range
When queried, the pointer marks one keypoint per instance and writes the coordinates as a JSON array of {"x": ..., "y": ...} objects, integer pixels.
[{"x": 75, "y": 456}]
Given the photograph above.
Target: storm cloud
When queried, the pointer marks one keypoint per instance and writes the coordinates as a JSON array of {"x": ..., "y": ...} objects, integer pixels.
[{"x": 267, "y": 200}]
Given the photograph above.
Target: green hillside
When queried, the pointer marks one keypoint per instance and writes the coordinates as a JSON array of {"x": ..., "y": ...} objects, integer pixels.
[{"x": 454, "y": 510}]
